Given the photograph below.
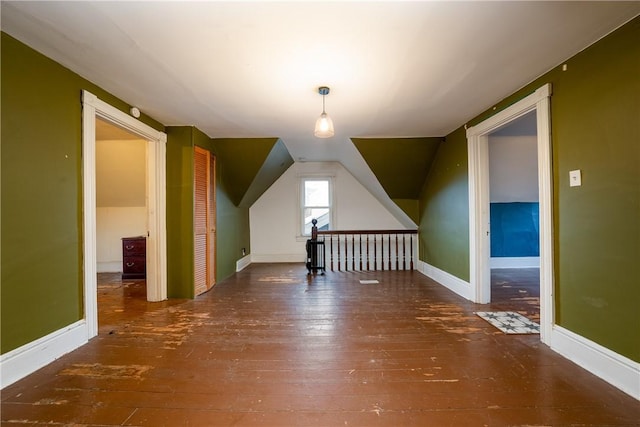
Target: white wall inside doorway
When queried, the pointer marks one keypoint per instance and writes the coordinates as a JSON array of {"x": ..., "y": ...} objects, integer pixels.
[
  {"x": 513, "y": 178},
  {"x": 121, "y": 209}
]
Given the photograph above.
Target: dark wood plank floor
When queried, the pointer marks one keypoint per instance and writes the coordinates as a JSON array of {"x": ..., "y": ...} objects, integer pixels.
[
  {"x": 516, "y": 289},
  {"x": 273, "y": 347}
]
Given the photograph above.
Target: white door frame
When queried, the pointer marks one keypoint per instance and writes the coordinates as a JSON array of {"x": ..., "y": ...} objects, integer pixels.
[
  {"x": 479, "y": 241},
  {"x": 93, "y": 107}
]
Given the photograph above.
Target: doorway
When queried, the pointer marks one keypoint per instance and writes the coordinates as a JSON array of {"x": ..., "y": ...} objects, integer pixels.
[
  {"x": 156, "y": 262},
  {"x": 479, "y": 201},
  {"x": 121, "y": 218},
  {"x": 514, "y": 217}
]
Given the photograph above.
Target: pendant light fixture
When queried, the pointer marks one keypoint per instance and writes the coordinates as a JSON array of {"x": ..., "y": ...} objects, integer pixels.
[{"x": 324, "y": 125}]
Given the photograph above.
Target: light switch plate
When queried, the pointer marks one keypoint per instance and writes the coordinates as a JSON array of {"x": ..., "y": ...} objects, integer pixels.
[{"x": 575, "y": 178}]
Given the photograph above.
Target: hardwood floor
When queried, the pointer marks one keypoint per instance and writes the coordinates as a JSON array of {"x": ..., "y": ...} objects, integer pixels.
[
  {"x": 516, "y": 289},
  {"x": 273, "y": 347}
]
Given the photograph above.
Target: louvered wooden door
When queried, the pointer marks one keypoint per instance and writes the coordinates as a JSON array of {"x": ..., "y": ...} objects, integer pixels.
[{"x": 204, "y": 223}]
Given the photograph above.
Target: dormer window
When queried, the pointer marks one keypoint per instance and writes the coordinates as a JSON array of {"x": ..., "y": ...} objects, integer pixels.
[{"x": 316, "y": 203}]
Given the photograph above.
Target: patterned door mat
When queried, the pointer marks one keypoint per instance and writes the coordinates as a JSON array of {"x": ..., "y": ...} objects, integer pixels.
[{"x": 510, "y": 322}]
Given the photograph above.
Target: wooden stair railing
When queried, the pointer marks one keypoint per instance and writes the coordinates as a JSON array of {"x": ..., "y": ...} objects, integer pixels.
[{"x": 364, "y": 249}]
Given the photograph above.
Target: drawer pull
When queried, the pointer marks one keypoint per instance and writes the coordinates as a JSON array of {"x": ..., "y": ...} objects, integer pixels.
[
  {"x": 131, "y": 264},
  {"x": 129, "y": 247}
]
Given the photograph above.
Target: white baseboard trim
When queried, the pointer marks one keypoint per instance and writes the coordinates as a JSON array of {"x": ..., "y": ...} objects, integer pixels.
[
  {"x": 447, "y": 280},
  {"x": 515, "y": 262},
  {"x": 612, "y": 367},
  {"x": 617, "y": 370},
  {"x": 297, "y": 257},
  {"x": 243, "y": 263},
  {"x": 109, "y": 267},
  {"x": 27, "y": 359}
]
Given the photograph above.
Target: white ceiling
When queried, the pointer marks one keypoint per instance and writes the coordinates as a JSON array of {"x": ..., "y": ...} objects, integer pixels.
[{"x": 252, "y": 69}]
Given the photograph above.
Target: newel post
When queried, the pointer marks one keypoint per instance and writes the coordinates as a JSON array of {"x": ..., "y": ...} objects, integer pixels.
[
  {"x": 314, "y": 229},
  {"x": 315, "y": 250}
]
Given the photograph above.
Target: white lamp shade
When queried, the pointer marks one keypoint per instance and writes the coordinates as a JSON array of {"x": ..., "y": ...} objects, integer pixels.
[{"x": 324, "y": 126}]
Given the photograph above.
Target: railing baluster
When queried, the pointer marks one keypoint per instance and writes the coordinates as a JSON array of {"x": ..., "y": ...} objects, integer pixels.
[
  {"x": 340, "y": 254},
  {"x": 353, "y": 252},
  {"x": 389, "y": 252},
  {"x": 339, "y": 268},
  {"x": 346, "y": 255},
  {"x": 367, "y": 248},
  {"x": 411, "y": 247},
  {"x": 331, "y": 250},
  {"x": 397, "y": 262},
  {"x": 375, "y": 254},
  {"x": 382, "y": 251},
  {"x": 404, "y": 254}
]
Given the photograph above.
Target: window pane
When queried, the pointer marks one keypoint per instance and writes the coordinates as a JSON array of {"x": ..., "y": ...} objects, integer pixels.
[
  {"x": 321, "y": 214},
  {"x": 316, "y": 193}
]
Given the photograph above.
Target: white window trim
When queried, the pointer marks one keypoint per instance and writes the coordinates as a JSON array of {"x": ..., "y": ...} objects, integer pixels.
[{"x": 300, "y": 236}]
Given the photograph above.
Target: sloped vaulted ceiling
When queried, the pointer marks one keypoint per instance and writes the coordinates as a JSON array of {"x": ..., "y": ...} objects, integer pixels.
[
  {"x": 251, "y": 69},
  {"x": 401, "y": 165},
  {"x": 250, "y": 166}
]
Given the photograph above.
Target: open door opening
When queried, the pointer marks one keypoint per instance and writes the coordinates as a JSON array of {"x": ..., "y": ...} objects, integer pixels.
[
  {"x": 479, "y": 200},
  {"x": 121, "y": 223},
  {"x": 156, "y": 263},
  {"x": 514, "y": 218}
]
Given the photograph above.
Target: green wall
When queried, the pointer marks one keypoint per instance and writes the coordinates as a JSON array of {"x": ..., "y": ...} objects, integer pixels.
[
  {"x": 232, "y": 223},
  {"x": 41, "y": 220},
  {"x": 444, "y": 209},
  {"x": 233, "y": 232},
  {"x": 401, "y": 165},
  {"x": 595, "y": 126},
  {"x": 246, "y": 168},
  {"x": 244, "y": 158},
  {"x": 180, "y": 261},
  {"x": 42, "y": 286}
]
